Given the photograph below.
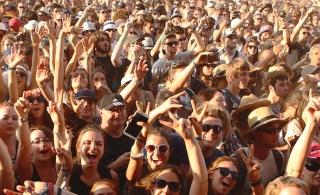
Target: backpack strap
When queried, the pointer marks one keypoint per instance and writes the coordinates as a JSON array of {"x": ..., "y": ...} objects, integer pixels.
[{"x": 279, "y": 159}]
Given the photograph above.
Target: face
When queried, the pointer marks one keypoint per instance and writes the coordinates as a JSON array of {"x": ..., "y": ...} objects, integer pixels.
[
  {"x": 242, "y": 79},
  {"x": 265, "y": 36},
  {"x": 212, "y": 132},
  {"x": 170, "y": 46},
  {"x": 252, "y": 48},
  {"x": 218, "y": 99},
  {"x": 311, "y": 173},
  {"x": 315, "y": 56},
  {"x": 41, "y": 146},
  {"x": 315, "y": 20},
  {"x": 8, "y": 121},
  {"x": 257, "y": 20},
  {"x": 21, "y": 7},
  {"x": 157, "y": 151},
  {"x": 103, "y": 44},
  {"x": 281, "y": 88},
  {"x": 7, "y": 43},
  {"x": 268, "y": 136},
  {"x": 38, "y": 106},
  {"x": 112, "y": 33},
  {"x": 182, "y": 42},
  {"x": 114, "y": 117},
  {"x": 104, "y": 15},
  {"x": 207, "y": 70},
  {"x": 87, "y": 109},
  {"x": 99, "y": 79},
  {"x": 221, "y": 184},
  {"x": 167, "y": 183},
  {"x": 91, "y": 148},
  {"x": 304, "y": 35},
  {"x": 176, "y": 21},
  {"x": 266, "y": 11},
  {"x": 148, "y": 28},
  {"x": 104, "y": 189},
  {"x": 292, "y": 190},
  {"x": 231, "y": 41},
  {"x": 79, "y": 79}
]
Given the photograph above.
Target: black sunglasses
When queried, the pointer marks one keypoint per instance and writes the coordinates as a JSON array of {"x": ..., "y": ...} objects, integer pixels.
[
  {"x": 216, "y": 128},
  {"x": 312, "y": 166},
  {"x": 225, "y": 172},
  {"x": 172, "y": 43},
  {"x": 40, "y": 99},
  {"x": 173, "y": 186}
]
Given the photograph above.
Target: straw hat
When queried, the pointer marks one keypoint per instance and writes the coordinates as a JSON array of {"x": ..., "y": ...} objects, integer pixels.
[
  {"x": 262, "y": 116},
  {"x": 247, "y": 104}
]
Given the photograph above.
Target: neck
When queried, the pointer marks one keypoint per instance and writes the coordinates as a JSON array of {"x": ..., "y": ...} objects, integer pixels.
[
  {"x": 89, "y": 171},
  {"x": 169, "y": 56},
  {"x": 206, "y": 80},
  {"x": 100, "y": 54},
  {"x": 261, "y": 152},
  {"x": 44, "y": 164},
  {"x": 234, "y": 90},
  {"x": 8, "y": 140},
  {"x": 114, "y": 132}
]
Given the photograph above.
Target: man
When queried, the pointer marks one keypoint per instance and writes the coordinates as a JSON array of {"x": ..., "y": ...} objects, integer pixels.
[
  {"x": 237, "y": 75},
  {"x": 215, "y": 11},
  {"x": 22, "y": 7},
  {"x": 148, "y": 28},
  {"x": 85, "y": 105},
  {"x": 181, "y": 38},
  {"x": 111, "y": 29},
  {"x": 314, "y": 55},
  {"x": 15, "y": 24},
  {"x": 43, "y": 14},
  {"x": 229, "y": 51},
  {"x": 104, "y": 15}
]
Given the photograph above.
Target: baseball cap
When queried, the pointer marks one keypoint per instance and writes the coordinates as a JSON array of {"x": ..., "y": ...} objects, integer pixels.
[
  {"x": 110, "y": 101},
  {"x": 141, "y": 12},
  {"x": 15, "y": 23},
  {"x": 109, "y": 25},
  {"x": 228, "y": 32},
  {"x": 235, "y": 22},
  {"x": 132, "y": 39},
  {"x": 308, "y": 69},
  {"x": 147, "y": 43},
  {"x": 86, "y": 94},
  {"x": 3, "y": 26},
  {"x": 31, "y": 25},
  {"x": 88, "y": 26},
  {"x": 265, "y": 28}
]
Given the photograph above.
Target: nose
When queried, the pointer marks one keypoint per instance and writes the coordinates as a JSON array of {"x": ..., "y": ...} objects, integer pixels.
[
  {"x": 93, "y": 145},
  {"x": 166, "y": 189}
]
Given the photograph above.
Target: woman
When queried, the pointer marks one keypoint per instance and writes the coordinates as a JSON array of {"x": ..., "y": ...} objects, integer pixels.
[
  {"x": 88, "y": 168},
  {"x": 43, "y": 163},
  {"x": 38, "y": 114},
  {"x": 251, "y": 50},
  {"x": 223, "y": 176},
  {"x": 287, "y": 185},
  {"x": 215, "y": 128},
  {"x": 99, "y": 83},
  {"x": 168, "y": 180}
]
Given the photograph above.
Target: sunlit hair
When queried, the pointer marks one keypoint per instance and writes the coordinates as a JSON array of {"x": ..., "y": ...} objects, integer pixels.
[
  {"x": 275, "y": 187},
  {"x": 6, "y": 104},
  {"x": 223, "y": 115},
  {"x": 236, "y": 66},
  {"x": 106, "y": 182},
  {"x": 147, "y": 182},
  {"x": 46, "y": 131},
  {"x": 216, "y": 163}
]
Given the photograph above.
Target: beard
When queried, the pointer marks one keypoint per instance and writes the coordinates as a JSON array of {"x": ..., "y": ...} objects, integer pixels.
[{"x": 103, "y": 49}]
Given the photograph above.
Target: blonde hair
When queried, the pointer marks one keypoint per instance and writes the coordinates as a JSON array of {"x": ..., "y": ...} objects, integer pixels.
[
  {"x": 275, "y": 187},
  {"x": 107, "y": 182},
  {"x": 237, "y": 65}
]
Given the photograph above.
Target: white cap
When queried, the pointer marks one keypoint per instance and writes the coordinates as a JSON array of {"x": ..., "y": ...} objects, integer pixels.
[
  {"x": 88, "y": 26},
  {"x": 44, "y": 10},
  {"x": 235, "y": 22},
  {"x": 3, "y": 26},
  {"x": 147, "y": 43},
  {"x": 109, "y": 25},
  {"x": 31, "y": 25}
]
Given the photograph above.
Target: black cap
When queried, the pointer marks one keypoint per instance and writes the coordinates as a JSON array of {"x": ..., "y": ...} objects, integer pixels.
[{"x": 86, "y": 94}]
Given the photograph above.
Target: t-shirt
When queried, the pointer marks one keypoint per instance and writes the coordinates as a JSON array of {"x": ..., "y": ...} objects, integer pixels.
[{"x": 232, "y": 101}]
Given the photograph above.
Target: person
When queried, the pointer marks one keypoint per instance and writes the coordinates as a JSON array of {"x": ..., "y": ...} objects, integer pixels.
[
  {"x": 104, "y": 187},
  {"x": 287, "y": 185}
]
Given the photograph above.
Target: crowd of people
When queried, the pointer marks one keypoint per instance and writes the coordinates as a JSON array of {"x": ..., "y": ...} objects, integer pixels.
[{"x": 150, "y": 97}]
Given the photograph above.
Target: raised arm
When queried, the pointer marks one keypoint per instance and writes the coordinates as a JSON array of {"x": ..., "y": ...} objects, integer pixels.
[
  {"x": 78, "y": 51},
  {"x": 52, "y": 46},
  {"x": 198, "y": 167},
  {"x": 157, "y": 46},
  {"x": 36, "y": 36},
  {"x": 296, "y": 29},
  {"x": 311, "y": 116},
  {"x": 3, "y": 88},
  {"x": 13, "y": 60},
  {"x": 42, "y": 78},
  {"x": 200, "y": 45},
  {"x": 6, "y": 168},
  {"x": 23, "y": 163}
]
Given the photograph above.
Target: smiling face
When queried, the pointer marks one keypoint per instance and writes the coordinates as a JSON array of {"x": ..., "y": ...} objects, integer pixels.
[
  {"x": 168, "y": 177},
  {"x": 38, "y": 107},
  {"x": 90, "y": 147},
  {"x": 8, "y": 121},
  {"x": 157, "y": 158},
  {"x": 41, "y": 146},
  {"x": 218, "y": 99},
  {"x": 210, "y": 136},
  {"x": 223, "y": 184}
]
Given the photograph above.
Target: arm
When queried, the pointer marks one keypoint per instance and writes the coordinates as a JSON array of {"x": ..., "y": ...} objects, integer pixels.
[
  {"x": 296, "y": 29},
  {"x": 23, "y": 163},
  {"x": 300, "y": 150},
  {"x": 75, "y": 57},
  {"x": 217, "y": 33},
  {"x": 3, "y": 88},
  {"x": 52, "y": 48},
  {"x": 200, "y": 45},
  {"x": 42, "y": 78},
  {"x": 35, "y": 37},
  {"x": 157, "y": 46},
  {"x": 6, "y": 168}
]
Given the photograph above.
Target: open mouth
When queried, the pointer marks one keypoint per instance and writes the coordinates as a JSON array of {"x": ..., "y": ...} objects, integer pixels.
[
  {"x": 44, "y": 151},
  {"x": 157, "y": 162},
  {"x": 92, "y": 157},
  {"x": 226, "y": 184}
]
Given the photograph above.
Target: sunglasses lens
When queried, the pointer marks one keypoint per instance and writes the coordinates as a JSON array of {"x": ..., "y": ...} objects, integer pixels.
[
  {"x": 312, "y": 166},
  {"x": 225, "y": 172},
  {"x": 31, "y": 99},
  {"x": 216, "y": 128},
  {"x": 150, "y": 148},
  {"x": 159, "y": 183},
  {"x": 163, "y": 148},
  {"x": 173, "y": 186}
]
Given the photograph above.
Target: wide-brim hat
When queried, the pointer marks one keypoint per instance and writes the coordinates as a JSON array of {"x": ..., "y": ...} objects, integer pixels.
[
  {"x": 263, "y": 116},
  {"x": 247, "y": 105}
]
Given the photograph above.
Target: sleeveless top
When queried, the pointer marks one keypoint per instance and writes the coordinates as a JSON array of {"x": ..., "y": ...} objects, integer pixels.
[{"x": 78, "y": 186}]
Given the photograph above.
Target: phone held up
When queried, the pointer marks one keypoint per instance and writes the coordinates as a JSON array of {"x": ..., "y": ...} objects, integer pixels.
[{"x": 132, "y": 129}]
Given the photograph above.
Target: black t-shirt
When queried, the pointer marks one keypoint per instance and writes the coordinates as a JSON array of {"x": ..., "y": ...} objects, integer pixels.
[{"x": 232, "y": 101}]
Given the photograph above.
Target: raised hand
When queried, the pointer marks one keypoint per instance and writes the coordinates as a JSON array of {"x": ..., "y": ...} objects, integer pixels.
[
  {"x": 16, "y": 57},
  {"x": 182, "y": 126},
  {"x": 22, "y": 106},
  {"x": 43, "y": 73},
  {"x": 312, "y": 110},
  {"x": 141, "y": 69},
  {"x": 55, "y": 113},
  {"x": 195, "y": 114},
  {"x": 65, "y": 158},
  {"x": 253, "y": 168},
  {"x": 171, "y": 103}
]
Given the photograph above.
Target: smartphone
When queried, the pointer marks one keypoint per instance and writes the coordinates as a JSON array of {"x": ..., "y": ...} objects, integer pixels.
[
  {"x": 132, "y": 130},
  {"x": 186, "y": 109}
]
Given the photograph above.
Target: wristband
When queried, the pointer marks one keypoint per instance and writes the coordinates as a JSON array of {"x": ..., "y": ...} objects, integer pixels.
[
  {"x": 257, "y": 183},
  {"x": 136, "y": 156}
]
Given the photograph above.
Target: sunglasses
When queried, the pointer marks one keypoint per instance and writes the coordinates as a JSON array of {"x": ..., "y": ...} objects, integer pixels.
[
  {"x": 162, "y": 148},
  {"x": 173, "y": 186},
  {"x": 21, "y": 7},
  {"x": 252, "y": 46},
  {"x": 40, "y": 99},
  {"x": 172, "y": 43},
  {"x": 216, "y": 128},
  {"x": 225, "y": 172},
  {"x": 21, "y": 74},
  {"x": 312, "y": 166}
]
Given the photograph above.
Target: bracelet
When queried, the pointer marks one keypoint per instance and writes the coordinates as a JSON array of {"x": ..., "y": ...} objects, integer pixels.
[
  {"x": 65, "y": 170},
  {"x": 23, "y": 119},
  {"x": 136, "y": 156},
  {"x": 257, "y": 183}
]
